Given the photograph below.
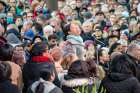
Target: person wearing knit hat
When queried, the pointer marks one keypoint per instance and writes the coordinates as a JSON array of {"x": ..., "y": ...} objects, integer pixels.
[{"x": 13, "y": 40}]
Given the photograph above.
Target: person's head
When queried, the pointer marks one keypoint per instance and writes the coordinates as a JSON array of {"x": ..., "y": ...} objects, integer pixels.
[
  {"x": 74, "y": 29},
  {"x": 87, "y": 26},
  {"x": 115, "y": 30},
  {"x": 98, "y": 32},
  {"x": 69, "y": 56},
  {"x": 1, "y": 5},
  {"x": 37, "y": 39},
  {"x": 6, "y": 52},
  {"x": 100, "y": 16},
  {"x": 38, "y": 29},
  {"x": 112, "y": 39},
  {"x": 12, "y": 3},
  {"x": 120, "y": 64},
  {"x": 73, "y": 4},
  {"x": 116, "y": 47},
  {"x": 39, "y": 49},
  {"x": 48, "y": 30},
  {"x": 78, "y": 3},
  {"x": 57, "y": 54},
  {"x": 134, "y": 49},
  {"x": 13, "y": 10},
  {"x": 30, "y": 16},
  {"x": 41, "y": 19},
  {"x": 5, "y": 71},
  {"x": 112, "y": 18},
  {"x": 103, "y": 56},
  {"x": 82, "y": 69},
  {"x": 55, "y": 23},
  {"x": 45, "y": 75},
  {"x": 133, "y": 13},
  {"x": 27, "y": 25},
  {"x": 48, "y": 75},
  {"x": 52, "y": 40},
  {"x": 10, "y": 18},
  {"x": 19, "y": 21},
  {"x": 19, "y": 55}
]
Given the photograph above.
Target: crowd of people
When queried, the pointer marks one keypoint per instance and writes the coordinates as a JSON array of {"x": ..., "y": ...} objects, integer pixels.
[{"x": 84, "y": 46}]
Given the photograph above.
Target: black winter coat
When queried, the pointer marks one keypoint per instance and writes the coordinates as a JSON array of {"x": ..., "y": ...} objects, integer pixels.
[
  {"x": 71, "y": 85},
  {"x": 119, "y": 83},
  {"x": 31, "y": 73},
  {"x": 8, "y": 87},
  {"x": 135, "y": 64}
]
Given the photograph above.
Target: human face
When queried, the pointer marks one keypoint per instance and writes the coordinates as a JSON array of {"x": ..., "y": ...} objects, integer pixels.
[
  {"x": 87, "y": 27},
  {"x": 29, "y": 16},
  {"x": 75, "y": 29},
  {"x": 136, "y": 52},
  {"x": 119, "y": 48},
  {"x": 100, "y": 17},
  {"x": 18, "y": 21},
  {"x": 1, "y": 6},
  {"x": 12, "y": 3},
  {"x": 105, "y": 56}
]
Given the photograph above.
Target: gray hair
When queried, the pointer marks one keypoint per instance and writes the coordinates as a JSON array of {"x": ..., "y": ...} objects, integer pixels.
[{"x": 132, "y": 46}]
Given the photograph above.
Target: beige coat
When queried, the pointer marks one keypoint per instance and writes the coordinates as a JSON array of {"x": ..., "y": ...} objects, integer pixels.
[{"x": 16, "y": 75}]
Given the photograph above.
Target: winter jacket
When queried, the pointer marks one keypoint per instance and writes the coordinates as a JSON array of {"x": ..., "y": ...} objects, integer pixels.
[
  {"x": 8, "y": 87},
  {"x": 49, "y": 87},
  {"x": 78, "y": 85},
  {"x": 135, "y": 64},
  {"x": 119, "y": 83},
  {"x": 87, "y": 36},
  {"x": 16, "y": 75},
  {"x": 32, "y": 69}
]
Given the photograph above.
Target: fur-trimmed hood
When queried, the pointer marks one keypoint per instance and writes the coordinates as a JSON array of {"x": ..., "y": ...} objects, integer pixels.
[{"x": 77, "y": 82}]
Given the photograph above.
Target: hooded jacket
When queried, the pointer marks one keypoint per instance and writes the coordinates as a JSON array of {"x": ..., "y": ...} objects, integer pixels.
[
  {"x": 49, "y": 87},
  {"x": 119, "y": 83}
]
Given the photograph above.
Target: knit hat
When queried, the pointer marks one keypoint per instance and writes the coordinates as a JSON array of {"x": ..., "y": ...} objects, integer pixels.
[
  {"x": 68, "y": 50},
  {"x": 88, "y": 42},
  {"x": 13, "y": 40}
]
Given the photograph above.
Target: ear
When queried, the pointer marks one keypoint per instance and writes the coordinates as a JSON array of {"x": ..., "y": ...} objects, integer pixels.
[{"x": 52, "y": 77}]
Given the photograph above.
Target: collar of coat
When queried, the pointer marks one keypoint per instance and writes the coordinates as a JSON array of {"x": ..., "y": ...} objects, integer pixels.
[
  {"x": 77, "y": 82},
  {"x": 40, "y": 59},
  {"x": 48, "y": 86}
]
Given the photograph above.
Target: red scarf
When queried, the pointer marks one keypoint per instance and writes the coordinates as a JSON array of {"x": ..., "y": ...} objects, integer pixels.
[{"x": 41, "y": 59}]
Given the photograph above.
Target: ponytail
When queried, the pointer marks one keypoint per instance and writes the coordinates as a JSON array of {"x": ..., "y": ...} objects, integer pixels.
[{"x": 40, "y": 88}]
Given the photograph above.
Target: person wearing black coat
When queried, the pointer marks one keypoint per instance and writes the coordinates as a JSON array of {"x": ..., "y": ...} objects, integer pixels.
[
  {"x": 39, "y": 61},
  {"x": 120, "y": 79},
  {"x": 133, "y": 57},
  {"x": 78, "y": 79}
]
